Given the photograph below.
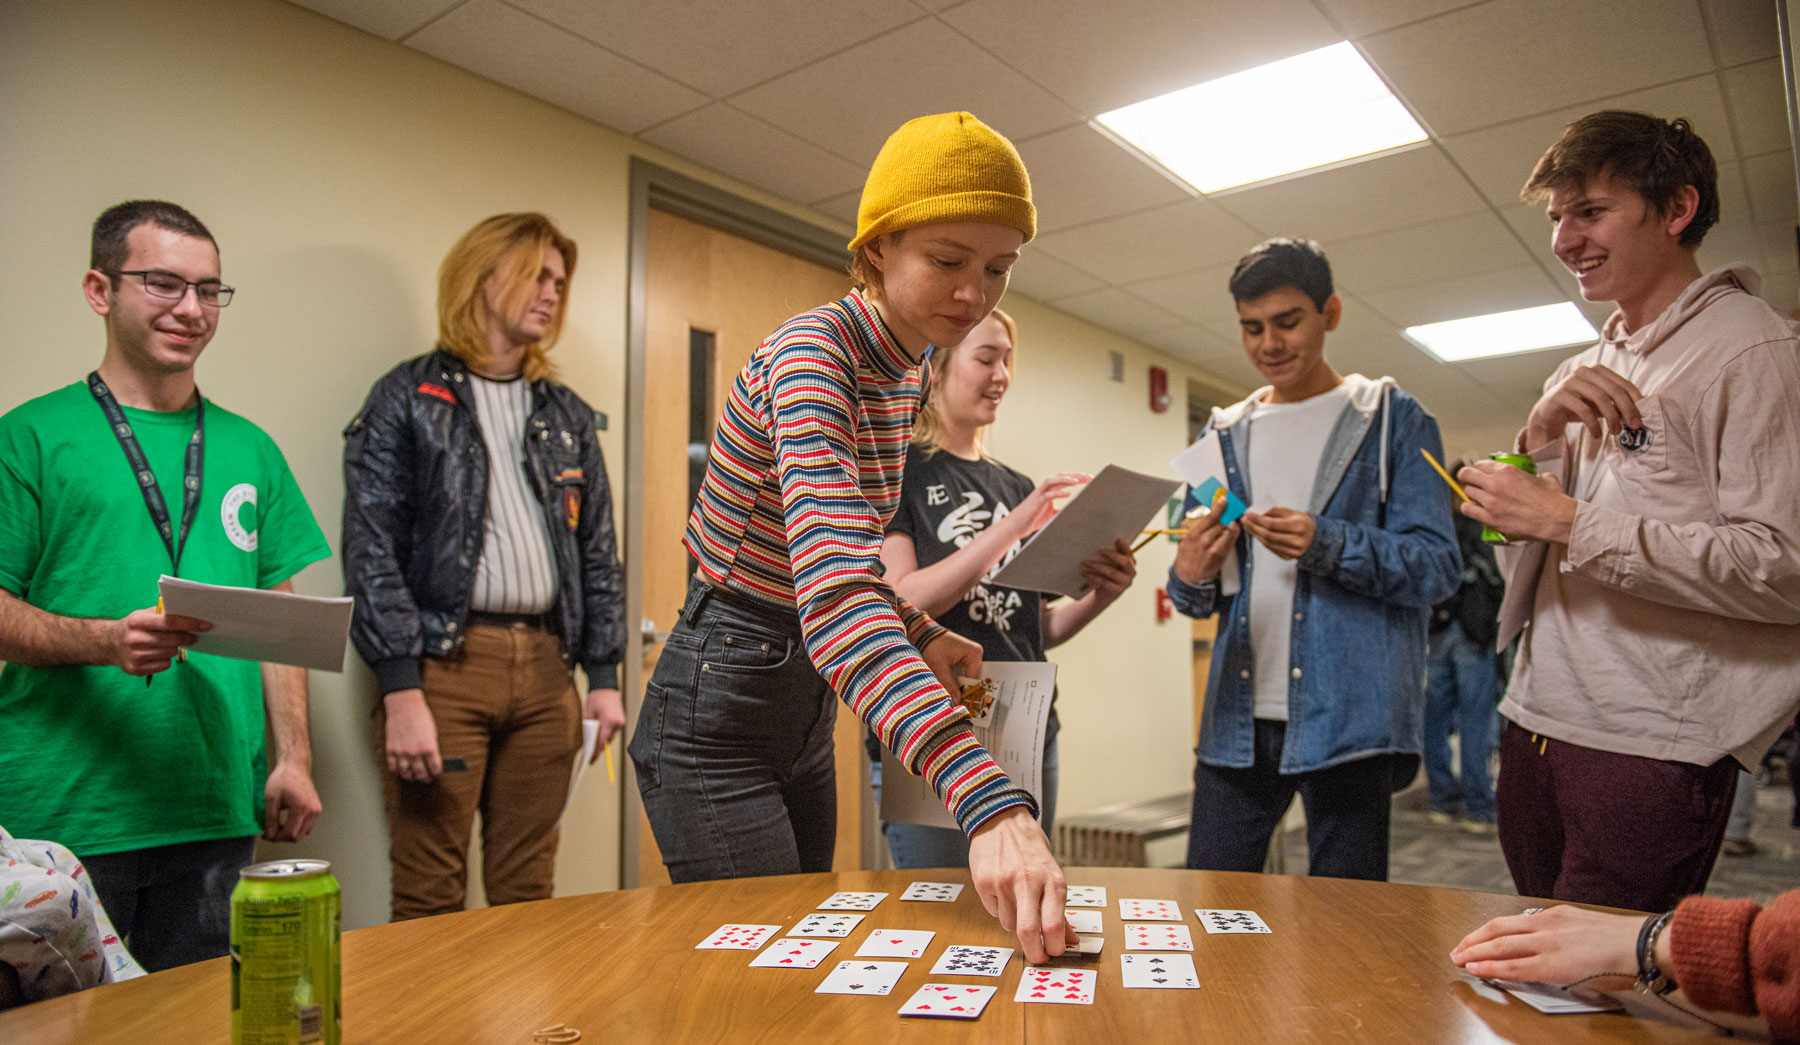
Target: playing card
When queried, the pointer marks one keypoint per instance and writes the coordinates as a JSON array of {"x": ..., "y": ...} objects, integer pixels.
[
  {"x": 1212, "y": 492},
  {"x": 1090, "y": 946},
  {"x": 738, "y": 938},
  {"x": 895, "y": 943},
  {"x": 1552, "y": 1000},
  {"x": 951, "y": 1001},
  {"x": 1217, "y": 921},
  {"x": 958, "y": 960},
  {"x": 1140, "y": 937},
  {"x": 852, "y": 901},
  {"x": 938, "y": 892},
  {"x": 789, "y": 953},
  {"x": 862, "y": 977},
  {"x": 1086, "y": 896},
  {"x": 1056, "y": 986},
  {"x": 1083, "y": 921},
  {"x": 1164, "y": 971},
  {"x": 838, "y": 925},
  {"x": 1150, "y": 910}
]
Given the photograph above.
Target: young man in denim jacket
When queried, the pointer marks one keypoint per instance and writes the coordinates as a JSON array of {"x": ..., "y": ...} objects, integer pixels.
[{"x": 1317, "y": 680}]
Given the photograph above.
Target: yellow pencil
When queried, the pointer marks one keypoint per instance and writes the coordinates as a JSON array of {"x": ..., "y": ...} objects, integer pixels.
[
  {"x": 610, "y": 778},
  {"x": 1440, "y": 470},
  {"x": 1161, "y": 533}
]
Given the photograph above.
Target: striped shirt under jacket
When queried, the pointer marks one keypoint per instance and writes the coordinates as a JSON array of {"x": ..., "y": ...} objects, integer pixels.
[{"x": 803, "y": 475}]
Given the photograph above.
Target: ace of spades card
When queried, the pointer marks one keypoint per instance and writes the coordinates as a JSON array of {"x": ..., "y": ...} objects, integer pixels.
[
  {"x": 1224, "y": 921},
  {"x": 1056, "y": 986},
  {"x": 961, "y": 960}
]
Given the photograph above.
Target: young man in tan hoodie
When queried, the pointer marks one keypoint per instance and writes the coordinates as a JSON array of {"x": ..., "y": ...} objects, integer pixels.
[{"x": 1660, "y": 566}]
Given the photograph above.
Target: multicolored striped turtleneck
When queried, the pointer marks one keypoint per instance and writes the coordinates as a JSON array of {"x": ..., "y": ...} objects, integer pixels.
[{"x": 803, "y": 476}]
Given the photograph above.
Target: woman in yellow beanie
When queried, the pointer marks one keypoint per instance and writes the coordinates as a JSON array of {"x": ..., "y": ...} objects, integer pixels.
[{"x": 733, "y": 747}]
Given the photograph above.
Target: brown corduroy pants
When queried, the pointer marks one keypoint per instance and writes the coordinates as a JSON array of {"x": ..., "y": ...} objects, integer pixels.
[{"x": 507, "y": 706}]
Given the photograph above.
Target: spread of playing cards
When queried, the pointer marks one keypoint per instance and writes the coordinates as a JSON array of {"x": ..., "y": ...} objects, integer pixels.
[{"x": 1014, "y": 700}]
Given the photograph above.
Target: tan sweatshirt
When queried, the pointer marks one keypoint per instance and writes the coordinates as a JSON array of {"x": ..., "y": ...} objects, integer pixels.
[{"x": 1669, "y": 627}]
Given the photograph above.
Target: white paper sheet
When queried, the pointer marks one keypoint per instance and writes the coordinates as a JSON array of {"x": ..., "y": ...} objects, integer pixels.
[
  {"x": 1204, "y": 460},
  {"x": 590, "y": 739},
  {"x": 1012, "y": 731},
  {"x": 1115, "y": 506},
  {"x": 278, "y": 627}
]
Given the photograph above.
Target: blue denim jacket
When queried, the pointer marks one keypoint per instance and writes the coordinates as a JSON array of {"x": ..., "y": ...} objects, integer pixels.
[{"x": 1384, "y": 552}]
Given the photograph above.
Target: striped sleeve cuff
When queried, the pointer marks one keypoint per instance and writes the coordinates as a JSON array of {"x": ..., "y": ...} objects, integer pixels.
[
  {"x": 920, "y": 628},
  {"x": 968, "y": 779}
]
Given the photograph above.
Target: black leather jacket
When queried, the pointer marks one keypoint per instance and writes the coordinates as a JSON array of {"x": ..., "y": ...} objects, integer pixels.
[{"x": 415, "y": 501}]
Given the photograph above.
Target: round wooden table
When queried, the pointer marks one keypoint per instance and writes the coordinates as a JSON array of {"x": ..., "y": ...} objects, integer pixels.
[{"x": 1357, "y": 961}]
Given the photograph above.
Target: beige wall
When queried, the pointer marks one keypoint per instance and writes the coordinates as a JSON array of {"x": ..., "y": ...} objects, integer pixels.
[{"x": 336, "y": 168}]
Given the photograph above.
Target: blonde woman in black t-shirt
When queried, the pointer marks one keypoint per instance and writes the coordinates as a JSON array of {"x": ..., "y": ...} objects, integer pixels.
[{"x": 962, "y": 516}]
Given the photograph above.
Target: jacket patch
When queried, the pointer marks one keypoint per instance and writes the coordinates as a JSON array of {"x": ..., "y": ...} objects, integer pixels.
[
  {"x": 427, "y": 388},
  {"x": 571, "y": 506},
  {"x": 569, "y": 475}
]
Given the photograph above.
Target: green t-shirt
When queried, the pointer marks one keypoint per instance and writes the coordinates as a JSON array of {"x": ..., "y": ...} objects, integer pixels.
[{"x": 92, "y": 757}]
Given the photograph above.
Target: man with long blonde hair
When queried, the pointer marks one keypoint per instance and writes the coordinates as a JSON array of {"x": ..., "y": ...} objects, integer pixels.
[{"x": 478, "y": 541}]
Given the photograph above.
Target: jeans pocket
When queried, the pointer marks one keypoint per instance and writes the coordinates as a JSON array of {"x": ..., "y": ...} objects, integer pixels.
[
  {"x": 733, "y": 647},
  {"x": 645, "y": 748}
]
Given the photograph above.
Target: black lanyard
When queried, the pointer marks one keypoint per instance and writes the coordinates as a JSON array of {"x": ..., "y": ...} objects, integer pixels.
[{"x": 140, "y": 466}]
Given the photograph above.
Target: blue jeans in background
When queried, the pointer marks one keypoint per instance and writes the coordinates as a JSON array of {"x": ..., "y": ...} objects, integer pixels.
[
  {"x": 171, "y": 904},
  {"x": 733, "y": 747},
  {"x": 1460, "y": 695},
  {"x": 915, "y": 845}
]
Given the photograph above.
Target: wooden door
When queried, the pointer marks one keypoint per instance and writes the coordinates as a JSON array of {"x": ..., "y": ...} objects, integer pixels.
[{"x": 733, "y": 293}]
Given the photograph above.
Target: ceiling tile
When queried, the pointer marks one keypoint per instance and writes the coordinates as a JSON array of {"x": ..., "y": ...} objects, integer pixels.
[
  {"x": 843, "y": 207},
  {"x": 1745, "y": 28},
  {"x": 1758, "y": 104},
  {"x": 1078, "y": 176},
  {"x": 390, "y": 18},
  {"x": 721, "y": 46},
  {"x": 1499, "y": 159},
  {"x": 920, "y": 68},
  {"x": 745, "y": 147},
  {"x": 1119, "y": 310},
  {"x": 1518, "y": 376},
  {"x": 1046, "y": 278},
  {"x": 1431, "y": 253},
  {"x": 511, "y": 47},
  {"x": 1187, "y": 235},
  {"x": 1199, "y": 297},
  {"x": 1362, "y": 17},
  {"x": 1100, "y": 56},
  {"x": 1224, "y": 360},
  {"x": 1406, "y": 188},
  {"x": 1770, "y": 180},
  {"x": 1503, "y": 290},
  {"x": 1531, "y": 56}
]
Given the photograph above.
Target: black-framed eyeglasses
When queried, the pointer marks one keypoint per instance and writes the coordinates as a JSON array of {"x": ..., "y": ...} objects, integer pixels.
[{"x": 170, "y": 287}]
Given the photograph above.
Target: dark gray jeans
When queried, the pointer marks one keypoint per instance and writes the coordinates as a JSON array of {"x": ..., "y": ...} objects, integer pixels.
[
  {"x": 733, "y": 747},
  {"x": 171, "y": 904}
]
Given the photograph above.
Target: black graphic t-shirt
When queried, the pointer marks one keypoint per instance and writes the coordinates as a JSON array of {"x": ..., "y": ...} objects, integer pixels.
[{"x": 944, "y": 502}]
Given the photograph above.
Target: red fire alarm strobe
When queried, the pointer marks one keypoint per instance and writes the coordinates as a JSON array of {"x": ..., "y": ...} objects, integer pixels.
[{"x": 1159, "y": 390}]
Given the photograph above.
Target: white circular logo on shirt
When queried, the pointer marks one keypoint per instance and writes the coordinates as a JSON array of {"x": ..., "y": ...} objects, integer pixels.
[{"x": 235, "y": 499}]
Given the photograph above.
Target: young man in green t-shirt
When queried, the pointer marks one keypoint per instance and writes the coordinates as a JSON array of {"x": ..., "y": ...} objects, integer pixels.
[{"x": 159, "y": 786}]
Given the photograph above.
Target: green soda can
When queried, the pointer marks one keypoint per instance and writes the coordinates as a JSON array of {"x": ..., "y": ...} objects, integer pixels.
[
  {"x": 286, "y": 916},
  {"x": 1523, "y": 463}
]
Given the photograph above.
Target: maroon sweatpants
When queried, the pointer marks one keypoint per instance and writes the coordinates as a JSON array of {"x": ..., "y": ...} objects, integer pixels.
[{"x": 1596, "y": 827}]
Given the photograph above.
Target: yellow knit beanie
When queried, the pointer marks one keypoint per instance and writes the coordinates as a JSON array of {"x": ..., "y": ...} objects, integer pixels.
[{"x": 948, "y": 167}]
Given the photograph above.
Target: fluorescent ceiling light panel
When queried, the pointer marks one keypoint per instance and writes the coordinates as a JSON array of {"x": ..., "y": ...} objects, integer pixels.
[
  {"x": 1311, "y": 110},
  {"x": 1504, "y": 333}
]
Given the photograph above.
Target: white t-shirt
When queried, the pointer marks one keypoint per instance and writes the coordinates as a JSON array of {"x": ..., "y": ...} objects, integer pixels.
[{"x": 1287, "y": 441}]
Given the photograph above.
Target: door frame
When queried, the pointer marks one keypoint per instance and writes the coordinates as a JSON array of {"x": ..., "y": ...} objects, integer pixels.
[{"x": 653, "y": 185}]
